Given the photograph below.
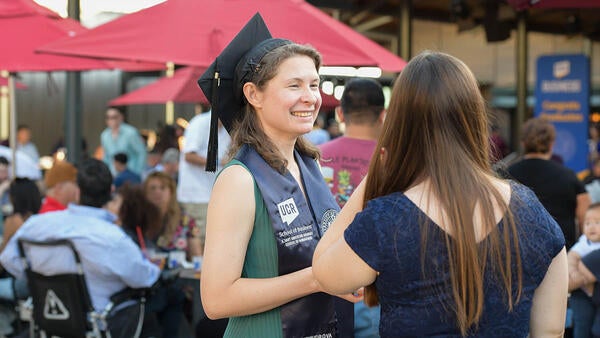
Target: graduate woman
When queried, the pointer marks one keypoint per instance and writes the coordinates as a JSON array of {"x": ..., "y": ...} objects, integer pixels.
[{"x": 269, "y": 205}]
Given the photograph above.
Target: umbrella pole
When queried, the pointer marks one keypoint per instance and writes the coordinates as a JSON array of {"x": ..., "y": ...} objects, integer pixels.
[
  {"x": 169, "y": 106},
  {"x": 169, "y": 113},
  {"x": 4, "y": 113},
  {"x": 13, "y": 123}
]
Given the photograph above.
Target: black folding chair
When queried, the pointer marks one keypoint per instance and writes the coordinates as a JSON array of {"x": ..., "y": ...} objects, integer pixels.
[{"x": 60, "y": 302}]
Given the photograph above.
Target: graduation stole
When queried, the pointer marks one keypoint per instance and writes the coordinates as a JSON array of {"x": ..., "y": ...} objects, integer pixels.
[{"x": 298, "y": 225}]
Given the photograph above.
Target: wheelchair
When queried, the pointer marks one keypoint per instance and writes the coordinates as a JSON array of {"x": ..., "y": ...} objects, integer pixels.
[{"x": 60, "y": 304}]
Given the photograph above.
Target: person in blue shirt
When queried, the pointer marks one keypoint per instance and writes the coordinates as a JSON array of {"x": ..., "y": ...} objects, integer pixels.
[
  {"x": 111, "y": 260},
  {"x": 124, "y": 174},
  {"x": 120, "y": 137}
]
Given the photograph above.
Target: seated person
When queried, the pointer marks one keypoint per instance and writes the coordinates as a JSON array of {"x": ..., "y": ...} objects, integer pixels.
[
  {"x": 141, "y": 221},
  {"x": 111, "y": 260},
  {"x": 25, "y": 198},
  {"x": 179, "y": 230},
  {"x": 585, "y": 313},
  {"x": 61, "y": 187},
  {"x": 139, "y": 218},
  {"x": 124, "y": 174}
]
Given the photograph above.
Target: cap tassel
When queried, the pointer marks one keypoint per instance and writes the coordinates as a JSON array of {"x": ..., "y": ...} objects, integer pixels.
[{"x": 213, "y": 138}]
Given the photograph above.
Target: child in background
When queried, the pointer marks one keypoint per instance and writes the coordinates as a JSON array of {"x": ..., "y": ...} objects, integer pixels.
[{"x": 586, "y": 318}]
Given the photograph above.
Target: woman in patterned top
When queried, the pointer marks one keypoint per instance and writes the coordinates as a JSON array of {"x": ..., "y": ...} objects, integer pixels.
[{"x": 179, "y": 231}]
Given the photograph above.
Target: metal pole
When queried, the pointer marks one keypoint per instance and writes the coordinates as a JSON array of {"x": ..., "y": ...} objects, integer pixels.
[
  {"x": 73, "y": 108},
  {"x": 13, "y": 124},
  {"x": 521, "y": 76},
  {"x": 405, "y": 30},
  {"x": 170, "y": 107}
]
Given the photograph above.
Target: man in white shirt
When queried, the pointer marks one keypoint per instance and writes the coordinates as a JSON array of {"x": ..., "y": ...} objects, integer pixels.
[{"x": 195, "y": 184}]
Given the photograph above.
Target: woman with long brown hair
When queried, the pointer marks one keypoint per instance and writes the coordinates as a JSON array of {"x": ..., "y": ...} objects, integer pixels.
[
  {"x": 179, "y": 231},
  {"x": 138, "y": 217},
  {"x": 450, "y": 249}
]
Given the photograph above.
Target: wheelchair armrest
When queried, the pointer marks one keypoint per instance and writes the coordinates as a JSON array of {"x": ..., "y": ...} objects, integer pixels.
[{"x": 128, "y": 294}]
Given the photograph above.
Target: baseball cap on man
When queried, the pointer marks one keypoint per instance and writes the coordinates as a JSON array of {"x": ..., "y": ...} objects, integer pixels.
[{"x": 61, "y": 171}]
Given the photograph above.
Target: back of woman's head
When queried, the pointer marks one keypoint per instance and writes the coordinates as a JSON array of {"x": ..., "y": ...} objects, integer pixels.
[
  {"x": 137, "y": 210},
  {"x": 25, "y": 197},
  {"x": 436, "y": 120},
  {"x": 537, "y": 135}
]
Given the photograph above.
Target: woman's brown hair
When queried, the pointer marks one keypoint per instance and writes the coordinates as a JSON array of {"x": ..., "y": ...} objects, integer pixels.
[
  {"x": 173, "y": 216},
  {"x": 248, "y": 130},
  {"x": 136, "y": 210},
  {"x": 436, "y": 129}
]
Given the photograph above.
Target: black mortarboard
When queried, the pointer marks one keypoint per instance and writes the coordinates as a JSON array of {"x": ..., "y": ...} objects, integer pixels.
[{"x": 224, "y": 79}]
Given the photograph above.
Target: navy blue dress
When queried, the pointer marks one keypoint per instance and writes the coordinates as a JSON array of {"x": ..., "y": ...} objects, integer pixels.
[{"x": 387, "y": 236}]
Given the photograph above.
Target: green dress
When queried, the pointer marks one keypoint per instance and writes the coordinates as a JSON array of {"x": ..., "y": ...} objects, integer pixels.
[{"x": 260, "y": 262}]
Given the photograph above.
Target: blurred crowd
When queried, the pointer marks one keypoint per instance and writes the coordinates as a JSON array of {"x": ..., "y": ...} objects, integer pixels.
[{"x": 152, "y": 194}]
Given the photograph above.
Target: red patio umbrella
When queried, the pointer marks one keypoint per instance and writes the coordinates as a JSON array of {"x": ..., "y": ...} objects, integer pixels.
[
  {"x": 194, "y": 33},
  {"x": 24, "y": 26},
  {"x": 182, "y": 88}
]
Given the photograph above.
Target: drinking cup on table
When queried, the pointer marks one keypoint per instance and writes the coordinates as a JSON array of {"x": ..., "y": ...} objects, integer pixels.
[
  {"x": 197, "y": 260},
  {"x": 176, "y": 258}
]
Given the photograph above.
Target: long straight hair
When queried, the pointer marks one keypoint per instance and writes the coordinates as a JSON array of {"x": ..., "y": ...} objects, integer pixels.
[{"x": 436, "y": 129}]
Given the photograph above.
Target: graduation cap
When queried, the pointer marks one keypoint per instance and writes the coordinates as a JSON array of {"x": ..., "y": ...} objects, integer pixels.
[{"x": 224, "y": 79}]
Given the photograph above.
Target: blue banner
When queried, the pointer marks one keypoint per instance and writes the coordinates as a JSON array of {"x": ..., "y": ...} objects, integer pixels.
[{"x": 562, "y": 95}]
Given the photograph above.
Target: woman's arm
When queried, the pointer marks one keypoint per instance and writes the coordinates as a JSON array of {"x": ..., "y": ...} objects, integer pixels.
[
  {"x": 549, "y": 308},
  {"x": 343, "y": 219},
  {"x": 337, "y": 268},
  {"x": 230, "y": 221}
]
